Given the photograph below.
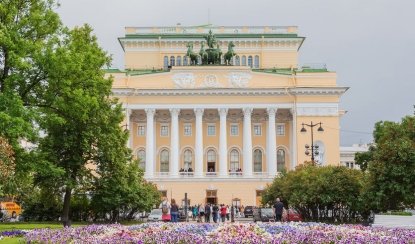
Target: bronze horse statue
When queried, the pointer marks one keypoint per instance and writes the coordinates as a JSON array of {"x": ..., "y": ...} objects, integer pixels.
[
  {"x": 192, "y": 55},
  {"x": 203, "y": 54},
  {"x": 230, "y": 53}
]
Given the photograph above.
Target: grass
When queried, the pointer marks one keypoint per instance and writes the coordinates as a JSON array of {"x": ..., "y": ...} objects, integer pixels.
[
  {"x": 33, "y": 225},
  {"x": 12, "y": 240}
]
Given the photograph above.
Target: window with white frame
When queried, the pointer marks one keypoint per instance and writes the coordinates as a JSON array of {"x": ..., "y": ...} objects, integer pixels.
[
  {"x": 256, "y": 62},
  {"x": 141, "y": 131},
  {"x": 164, "y": 130},
  {"x": 257, "y": 130},
  {"x": 234, "y": 159},
  {"x": 187, "y": 129},
  {"x": 141, "y": 155},
  {"x": 179, "y": 61},
  {"x": 234, "y": 129},
  {"x": 164, "y": 161},
  {"x": 187, "y": 159},
  {"x": 280, "y": 160},
  {"x": 280, "y": 130},
  {"x": 250, "y": 61},
  {"x": 257, "y": 160},
  {"x": 211, "y": 130}
]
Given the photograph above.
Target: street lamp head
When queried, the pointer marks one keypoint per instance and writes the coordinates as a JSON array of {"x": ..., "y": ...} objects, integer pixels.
[
  {"x": 303, "y": 130},
  {"x": 316, "y": 146},
  {"x": 320, "y": 129},
  {"x": 307, "y": 146},
  {"x": 315, "y": 152},
  {"x": 307, "y": 152}
]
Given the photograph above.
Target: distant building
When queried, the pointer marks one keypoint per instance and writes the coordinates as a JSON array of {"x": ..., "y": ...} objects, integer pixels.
[{"x": 347, "y": 155}]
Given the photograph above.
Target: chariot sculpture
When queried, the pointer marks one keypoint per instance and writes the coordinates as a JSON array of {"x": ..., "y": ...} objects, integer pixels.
[{"x": 212, "y": 54}]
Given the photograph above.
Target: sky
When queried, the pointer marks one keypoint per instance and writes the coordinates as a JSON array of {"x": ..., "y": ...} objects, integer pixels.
[{"x": 369, "y": 43}]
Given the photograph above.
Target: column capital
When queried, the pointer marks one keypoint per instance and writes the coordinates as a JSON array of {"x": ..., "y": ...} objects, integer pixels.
[
  {"x": 150, "y": 111},
  {"x": 223, "y": 111},
  {"x": 271, "y": 111},
  {"x": 174, "y": 111},
  {"x": 199, "y": 111},
  {"x": 247, "y": 111}
]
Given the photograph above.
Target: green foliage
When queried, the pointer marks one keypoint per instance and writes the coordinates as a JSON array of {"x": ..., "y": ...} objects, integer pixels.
[
  {"x": 43, "y": 205},
  {"x": 397, "y": 213},
  {"x": 392, "y": 165},
  {"x": 316, "y": 191}
]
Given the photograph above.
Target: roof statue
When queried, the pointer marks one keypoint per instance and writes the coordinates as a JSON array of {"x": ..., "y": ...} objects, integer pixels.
[{"x": 211, "y": 55}]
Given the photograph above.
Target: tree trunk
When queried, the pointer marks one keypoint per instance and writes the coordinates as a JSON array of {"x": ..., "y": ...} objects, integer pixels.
[{"x": 66, "y": 207}]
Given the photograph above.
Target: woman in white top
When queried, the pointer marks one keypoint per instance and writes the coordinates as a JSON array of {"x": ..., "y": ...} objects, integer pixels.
[{"x": 165, "y": 209}]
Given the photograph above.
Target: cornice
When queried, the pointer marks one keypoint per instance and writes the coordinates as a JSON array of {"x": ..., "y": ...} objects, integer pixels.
[{"x": 309, "y": 91}]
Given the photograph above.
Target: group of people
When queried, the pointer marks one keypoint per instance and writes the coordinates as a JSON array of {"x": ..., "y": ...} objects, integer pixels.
[
  {"x": 186, "y": 170},
  {"x": 202, "y": 213}
]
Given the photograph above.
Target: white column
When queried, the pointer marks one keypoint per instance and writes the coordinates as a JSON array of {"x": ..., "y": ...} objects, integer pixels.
[
  {"x": 223, "y": 145},
  {"x": 174, "y": 141},
  {"x": 199, "y": 142},
  {"x": 271, "y": 143},
  {"x": 150, "y": 143},
  {"x": 293, "y": 139},
  {"x": 129, "y": 128},
  {"x": 247, "y": 141}
]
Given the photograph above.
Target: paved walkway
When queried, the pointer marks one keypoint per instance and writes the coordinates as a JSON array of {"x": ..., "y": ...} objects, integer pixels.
[{"x": 394, "y": 221}]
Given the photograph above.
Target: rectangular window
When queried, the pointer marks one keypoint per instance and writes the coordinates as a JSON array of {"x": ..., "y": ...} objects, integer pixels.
[
  {"x": 211, "y": 130},
  {"x": 164, "y": 130},
  {"x": 188, "y": 129},
  {"x": 141, "y": 130},
  {"x": 280, "y": 130},
  {"x": 234, "y": 130},
  {"x": 257, "y": 130}
]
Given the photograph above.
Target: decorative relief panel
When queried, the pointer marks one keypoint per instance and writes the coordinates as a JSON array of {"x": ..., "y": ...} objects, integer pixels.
[
  {"x": 211, "y": 81},
  {"x": 184, "y": 80},
  {"x": 239, "y": 79},
  {"x": 318, "y": 111}
]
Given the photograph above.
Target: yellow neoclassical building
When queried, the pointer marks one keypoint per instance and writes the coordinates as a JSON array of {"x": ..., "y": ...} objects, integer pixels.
[{"x": 221, "y": 133}]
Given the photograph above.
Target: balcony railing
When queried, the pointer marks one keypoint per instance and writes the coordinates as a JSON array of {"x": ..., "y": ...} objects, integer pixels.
[{"x": 213, "y": 175}]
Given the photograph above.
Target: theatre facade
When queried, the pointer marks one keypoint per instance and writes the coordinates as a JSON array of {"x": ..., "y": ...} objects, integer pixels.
[{"x": 221, "y": 132}]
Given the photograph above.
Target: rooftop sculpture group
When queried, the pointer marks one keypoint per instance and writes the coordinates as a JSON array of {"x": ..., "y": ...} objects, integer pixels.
[{"x": 211, "y": 55}]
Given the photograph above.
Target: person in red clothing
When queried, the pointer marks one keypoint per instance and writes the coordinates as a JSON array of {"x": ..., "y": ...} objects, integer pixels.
[{"x": 223, "y": 212}]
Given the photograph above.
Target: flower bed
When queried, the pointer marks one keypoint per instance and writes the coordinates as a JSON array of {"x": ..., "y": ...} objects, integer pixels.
[{"x": 222, "y": 233}]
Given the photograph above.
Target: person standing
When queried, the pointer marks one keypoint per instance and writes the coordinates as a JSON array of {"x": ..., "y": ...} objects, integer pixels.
[
  {"x": 222, "y": 212},
  {"x": 174, "y": 211},
  {"x": 165, "y": 210},
  {"x": 215, "y": 213},
  {"x": 278, "y": 209},
  {"x": 207, "y": 213},
  {"x": 201, "y": 213},
  {"x": 228, "y": 212}
]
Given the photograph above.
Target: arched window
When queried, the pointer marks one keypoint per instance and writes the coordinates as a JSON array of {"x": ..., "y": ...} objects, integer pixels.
[
  {"x": 164, "y": 161},
  {"x": 185, "y": 61},
  {"x": 179, "y": 61},
  {"x": 280, "y": 160},
  {"x": 166, "y": 62},
  {"x": 199, "y": 60},
  {"x": 256, "y": 62},
  {"x": 250, "y": 61},
  {"x": 257, "y": 160},
  {"x": 234, "y": 160},
  {"x": 141, "y": 156},
  {"x": 172, "y": 61},
  {"x": 243, "y": 60},
  {"x": 211, "y": 161},
  {"x": 237, "y": 61},
  {"x": 187, "y": 158}
]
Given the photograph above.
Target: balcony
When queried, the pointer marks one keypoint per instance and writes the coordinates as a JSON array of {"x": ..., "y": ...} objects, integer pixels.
[{"x": 166, "y": 176}]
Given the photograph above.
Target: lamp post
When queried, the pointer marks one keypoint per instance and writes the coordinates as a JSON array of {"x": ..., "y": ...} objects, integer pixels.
[
  {"x": 313, "y": 148},
  {"x": 125, "y": 126}
]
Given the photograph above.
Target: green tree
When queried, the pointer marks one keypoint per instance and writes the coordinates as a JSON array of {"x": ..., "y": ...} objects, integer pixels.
[
  {"x": 27, "y": 30},
  {"x": 319, "y": 193},
  {"x": 392, "y": 165}
]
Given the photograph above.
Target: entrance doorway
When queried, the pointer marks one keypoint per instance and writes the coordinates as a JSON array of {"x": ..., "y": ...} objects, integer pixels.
[{"x": 211, "y": 196}]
